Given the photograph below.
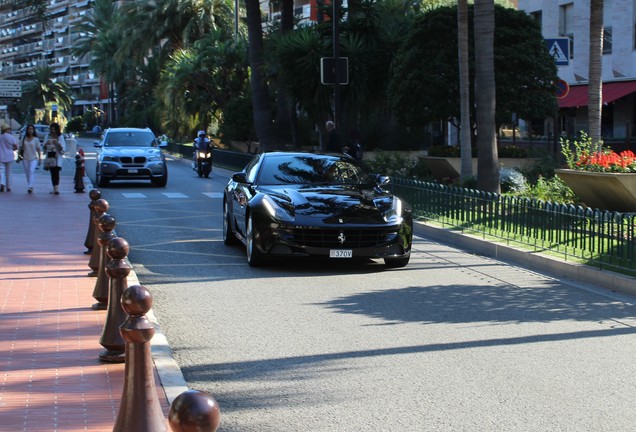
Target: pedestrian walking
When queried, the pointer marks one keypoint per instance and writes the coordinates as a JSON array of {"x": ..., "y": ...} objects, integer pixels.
[
  {"x": 79, "y": 171},
  {"x": 54, "y": 148},
  {"x": 8, "y": 144},
  {"x": 29, "y": 150}
]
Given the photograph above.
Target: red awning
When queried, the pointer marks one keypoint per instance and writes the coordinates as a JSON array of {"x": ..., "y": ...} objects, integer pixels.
[{"x": 577, "y": 96}]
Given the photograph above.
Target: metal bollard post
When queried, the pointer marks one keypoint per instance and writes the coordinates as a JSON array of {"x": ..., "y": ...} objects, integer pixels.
[
  {"x": 139, "y": 409},
  {"x": 194, "y": 411},
  {"x": 100, "y": 207},
  {"x": 106, "y": 224},
  {"x": 118, "y": 270},
  {"x": 89, "y": 241}
]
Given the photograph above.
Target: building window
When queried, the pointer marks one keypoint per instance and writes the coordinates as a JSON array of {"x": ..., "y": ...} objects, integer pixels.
[
  {"x": 538, "y": 18},
  {"x": 607, "y": 40},
  {"x": 566, "y": 24}
]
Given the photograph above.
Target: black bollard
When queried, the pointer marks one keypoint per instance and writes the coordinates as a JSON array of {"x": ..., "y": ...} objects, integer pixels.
[
  {"x": 100, "y": 207},
  {"x": 106, "y": 225},
  {"x": 89, "y": 241},
  {"x": 139, "y": 409},
  {"x": 118, "y": 270},
  {"x": 194, "y": 411}
]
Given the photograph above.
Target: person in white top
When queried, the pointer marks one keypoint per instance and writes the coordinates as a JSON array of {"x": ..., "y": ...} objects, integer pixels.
[
  {"x": 53, "y": 150},
  {"x": 31, "y": 154},
  {"x": 8, "y": 144}
]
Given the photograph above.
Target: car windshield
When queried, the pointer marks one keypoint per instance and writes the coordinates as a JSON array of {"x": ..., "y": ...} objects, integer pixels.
[
  {"x": 129, "y": 139},
  {"x": 311, "y": 169}
]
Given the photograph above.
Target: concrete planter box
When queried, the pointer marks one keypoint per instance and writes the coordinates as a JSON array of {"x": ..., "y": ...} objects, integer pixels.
[{"x": 600, "y": 190}]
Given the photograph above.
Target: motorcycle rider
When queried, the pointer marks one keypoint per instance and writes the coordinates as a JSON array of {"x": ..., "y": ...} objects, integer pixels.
[{"x": 203, "y": 144}]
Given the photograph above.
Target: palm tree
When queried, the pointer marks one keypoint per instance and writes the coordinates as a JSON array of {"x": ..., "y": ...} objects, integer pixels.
[
  {"x": 44, "y": 89},
  {"x": 258, "y": 82},
  {"x": 595, "y": 85},
  {"x": 466, "y": 171},
  {"x": 488, "y": 163}
]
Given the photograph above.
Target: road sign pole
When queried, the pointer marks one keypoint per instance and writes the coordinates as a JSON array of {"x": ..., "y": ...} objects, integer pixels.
[{"x": 336, "y": 55}]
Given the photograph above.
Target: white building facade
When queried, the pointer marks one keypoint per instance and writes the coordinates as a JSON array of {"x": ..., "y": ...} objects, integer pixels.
[{"x": 570, "y": 19}]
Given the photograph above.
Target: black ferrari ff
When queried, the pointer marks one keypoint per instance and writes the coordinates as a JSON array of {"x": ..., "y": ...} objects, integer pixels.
[{"x": 314, "y": 205}]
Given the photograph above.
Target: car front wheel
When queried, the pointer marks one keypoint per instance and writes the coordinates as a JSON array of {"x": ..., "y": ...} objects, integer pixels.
[
  {"x": 228, "y": 236},
  {"x": 101, "y": 181},
  {"x": 254, "y": 256}
]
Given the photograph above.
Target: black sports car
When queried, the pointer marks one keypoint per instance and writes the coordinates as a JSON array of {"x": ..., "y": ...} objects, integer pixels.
[{"x": 306, "y": 204}]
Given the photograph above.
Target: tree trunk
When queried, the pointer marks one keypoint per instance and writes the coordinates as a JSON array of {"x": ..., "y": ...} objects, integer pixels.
[
  {"x": 464, "y": 90},
  {"x": 260, "y": 96},
  {"x": 595, "y": 87},
  {"x": 284, "y": 105},
  {"x": 488, "y": 163}
]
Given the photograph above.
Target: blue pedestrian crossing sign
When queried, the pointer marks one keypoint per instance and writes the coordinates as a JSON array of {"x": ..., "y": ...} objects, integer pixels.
[{"x": 559, "y": 48}]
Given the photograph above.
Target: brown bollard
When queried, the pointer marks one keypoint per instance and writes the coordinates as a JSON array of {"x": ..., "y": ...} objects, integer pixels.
[
  {"x": 106, "y": 226},
  {"x": 139, "y": 409},
  {"x": 100, "y": 207},
  {"x": 89, "y": 241},
  {"x": 118, "y": 270},
  {"x": 194, "y": 411}
]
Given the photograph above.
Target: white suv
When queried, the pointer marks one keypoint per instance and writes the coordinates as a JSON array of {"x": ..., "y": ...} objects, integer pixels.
[{"x": 130, "y": 154}]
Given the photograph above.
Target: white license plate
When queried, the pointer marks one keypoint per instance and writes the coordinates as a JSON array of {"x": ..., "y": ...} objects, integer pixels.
[
  {"x": 133, "y": 171},
  {"x": 340, "y": 253}
]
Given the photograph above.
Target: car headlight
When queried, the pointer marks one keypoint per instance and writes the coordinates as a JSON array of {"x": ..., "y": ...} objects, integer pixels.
[
  {"x": 276, "y": 211},
  {"x": 394, "y": 214},
  {"x": 154, "y": 158},
  {"x": 109, "y": 159}
]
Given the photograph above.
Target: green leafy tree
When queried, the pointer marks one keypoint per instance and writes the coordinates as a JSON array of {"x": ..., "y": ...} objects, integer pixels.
[{"x": 424, "y": 86}]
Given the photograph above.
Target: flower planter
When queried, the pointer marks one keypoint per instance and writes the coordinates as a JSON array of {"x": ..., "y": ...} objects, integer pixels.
[{"x": 602, "y": 190}]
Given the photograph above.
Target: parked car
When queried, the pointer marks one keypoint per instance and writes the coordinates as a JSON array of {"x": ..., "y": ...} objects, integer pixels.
[
  {"x": 286, "y": 205},
  {"x": 130, "y": 154},
  {"x": 41, "y": 130}
]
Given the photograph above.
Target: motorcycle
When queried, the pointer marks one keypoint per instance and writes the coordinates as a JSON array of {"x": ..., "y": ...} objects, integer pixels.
[{"x": 202, "y": 161}]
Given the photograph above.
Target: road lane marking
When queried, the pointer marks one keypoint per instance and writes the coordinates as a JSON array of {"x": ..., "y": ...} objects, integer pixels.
[
  {"x": 175, "y": 195},
  {"x": 133, "y": 195}
]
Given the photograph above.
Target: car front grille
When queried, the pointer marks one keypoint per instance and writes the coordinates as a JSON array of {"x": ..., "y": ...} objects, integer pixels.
[
  {"x": 130, "y": 160},
  {"x": 338, "y": 238}
]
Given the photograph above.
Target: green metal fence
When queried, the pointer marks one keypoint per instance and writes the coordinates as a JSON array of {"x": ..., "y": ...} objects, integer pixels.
[{"x": 603, "y": 239}]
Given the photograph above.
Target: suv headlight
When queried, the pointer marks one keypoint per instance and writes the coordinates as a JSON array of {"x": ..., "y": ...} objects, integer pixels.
[
  {"x": 109, "y": 159},
  {"x": 154, "y": 158}
]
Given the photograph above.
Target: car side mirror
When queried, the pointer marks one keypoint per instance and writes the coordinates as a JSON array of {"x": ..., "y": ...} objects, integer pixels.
[
  {"x": 239, "y": 177},
  {"x": 97, "y": 144},
  {"x": 382, "y": 180},
  {"x": 163, "y": 143}
]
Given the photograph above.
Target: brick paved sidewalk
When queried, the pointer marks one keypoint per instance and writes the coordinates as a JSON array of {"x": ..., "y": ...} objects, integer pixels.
[{"x": 50, "y": 375}]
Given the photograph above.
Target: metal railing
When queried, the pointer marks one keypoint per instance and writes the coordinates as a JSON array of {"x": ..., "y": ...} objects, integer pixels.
[{"x": 602, "y": 239}]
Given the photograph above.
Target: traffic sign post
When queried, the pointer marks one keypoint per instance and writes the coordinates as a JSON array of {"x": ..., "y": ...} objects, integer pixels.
[
  {"x": 559, "y": 48},
  {"x": 332, "y": 72},
  {"x": 562, "y": 89},
  {"x": 10, "y": 89}
]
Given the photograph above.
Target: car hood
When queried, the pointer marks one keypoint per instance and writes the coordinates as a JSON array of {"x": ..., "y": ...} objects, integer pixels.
[
  {"x": 336, "y": 204},
  {"x": 130, "y": 151}
]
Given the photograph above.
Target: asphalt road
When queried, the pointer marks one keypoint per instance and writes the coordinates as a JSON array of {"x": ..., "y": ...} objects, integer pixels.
[{"x": 452, "y": 342}]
